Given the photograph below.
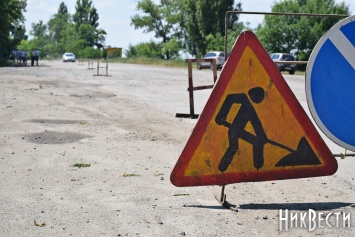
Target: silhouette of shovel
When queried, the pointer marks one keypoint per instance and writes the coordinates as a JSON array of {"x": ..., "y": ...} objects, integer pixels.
[{"x": 304, "y": 155}]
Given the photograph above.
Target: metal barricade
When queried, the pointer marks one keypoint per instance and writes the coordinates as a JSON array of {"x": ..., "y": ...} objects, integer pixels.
[{"x": 191, "y": 88}]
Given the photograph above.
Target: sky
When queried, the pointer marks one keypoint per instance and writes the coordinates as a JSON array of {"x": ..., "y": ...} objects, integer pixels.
[{"x": 115, "y": 17}]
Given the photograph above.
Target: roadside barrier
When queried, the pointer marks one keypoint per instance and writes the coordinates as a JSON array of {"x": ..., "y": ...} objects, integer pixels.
[
  {"x": 90, "y": 64},
  {"x": 191, "y": 88},
  {"x": 98, "y": 69}
]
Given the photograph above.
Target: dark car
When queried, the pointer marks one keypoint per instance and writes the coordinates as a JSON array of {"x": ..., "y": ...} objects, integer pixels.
[{"x": 279, "y": 57}]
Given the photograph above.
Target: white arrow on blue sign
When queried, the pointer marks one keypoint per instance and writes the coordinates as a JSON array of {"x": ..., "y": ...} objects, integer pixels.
[{"x": 330, "y": 83}]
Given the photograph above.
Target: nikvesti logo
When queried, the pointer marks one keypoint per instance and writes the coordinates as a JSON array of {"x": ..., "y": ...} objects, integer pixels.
[{"x": 312, "y": 220}]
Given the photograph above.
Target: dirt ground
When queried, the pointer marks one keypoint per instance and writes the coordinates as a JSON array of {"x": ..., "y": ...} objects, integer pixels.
[{"x": 57, "y": 118}]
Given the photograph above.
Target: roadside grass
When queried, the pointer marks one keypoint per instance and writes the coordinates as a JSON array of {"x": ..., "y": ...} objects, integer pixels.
[
  {"x": 302, "y": 73},
  {"x": 180, "y": 63},
  {"x": 131, "y": 175},
  {"x": 158, "y": 174},
  {"x": 299, "y": 73},
  {"x": 181, "y": 194},
  {"x": 81, "y": 165}
]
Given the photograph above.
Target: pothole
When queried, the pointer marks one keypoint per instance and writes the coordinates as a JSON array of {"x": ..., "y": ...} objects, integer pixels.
[
  {"x": 51, "y": 137},
  {"x": 94, "y": 95},
  {"x": 57, "y": 121}
]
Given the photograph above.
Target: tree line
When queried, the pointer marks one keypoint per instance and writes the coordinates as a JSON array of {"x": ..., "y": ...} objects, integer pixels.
[
  {"x": 78, "y": 33},
  {"x": 12, "y": 29},
  {"x": 198, "y": 26},
  {"x": 189, "y": 26}
]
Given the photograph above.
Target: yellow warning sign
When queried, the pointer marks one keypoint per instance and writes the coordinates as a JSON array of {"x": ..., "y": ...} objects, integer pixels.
[
  {"x": 252, "y": 128},
  {"x": 114, "y": 53}
]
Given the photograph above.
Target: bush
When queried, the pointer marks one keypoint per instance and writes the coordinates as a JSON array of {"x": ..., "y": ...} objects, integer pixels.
[
  {"x": 90, "y": 52},
  {"x": 148, "y": 49}
]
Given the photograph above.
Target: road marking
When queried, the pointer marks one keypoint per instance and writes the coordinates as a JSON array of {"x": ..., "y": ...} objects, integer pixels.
[{"x": 344, "y": 46}]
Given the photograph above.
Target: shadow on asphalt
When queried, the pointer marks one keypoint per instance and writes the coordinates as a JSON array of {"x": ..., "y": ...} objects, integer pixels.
[{"x": 317, "y": 206}]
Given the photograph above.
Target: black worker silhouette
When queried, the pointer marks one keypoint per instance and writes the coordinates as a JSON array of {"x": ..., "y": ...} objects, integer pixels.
[
  {"x": 237, "y": 130},
  {"x": 304, "y": 155}
]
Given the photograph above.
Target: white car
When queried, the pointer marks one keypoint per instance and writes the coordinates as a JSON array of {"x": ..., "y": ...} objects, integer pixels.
[
  {"x": 219, "y": 56},
  {"x": 68, "y": 57}
]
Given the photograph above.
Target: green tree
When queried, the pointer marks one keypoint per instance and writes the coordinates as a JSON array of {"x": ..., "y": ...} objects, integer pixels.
[
  {"x": 171, "y": 48},
  {"x": 40, "y": 38},
  {"x": 203, "y": 21},
  {"x": 56, "y": 29},
  {"x": 11, "y": 26},
  {"x": 57, "y": 24},
  {"x": 216, "y": 42},
  {"x": 62, "y": 34},
  {"x": 71, "y": 41},
  {"x": 39, "y": 29},
  {"x": 92, "y": 36},
  {"x": 18, "y": 34},
  {"x": 86, "y": 23},
  {"x": 49, "y": 38},
  {"x": 162, "y": 19},
  {"x": 298, "y": 35},
  {"x": 90, "y": 52},
  {"x": 131, "y": 52},
  {"x": 85, "y": 13}
]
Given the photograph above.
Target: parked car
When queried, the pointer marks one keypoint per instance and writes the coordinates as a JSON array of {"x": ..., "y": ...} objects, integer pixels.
[
  {"x": 68, "y": 57},
  {"x": 219, "y": 56},
  {"x": 291, "y": 68}
]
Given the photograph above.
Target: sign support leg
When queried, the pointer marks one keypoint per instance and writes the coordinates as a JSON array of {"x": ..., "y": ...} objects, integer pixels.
[
  {"x": 191, "y": 90},
  {"x": 222, "y": 199},
  {"x": 223, "y": 195}
]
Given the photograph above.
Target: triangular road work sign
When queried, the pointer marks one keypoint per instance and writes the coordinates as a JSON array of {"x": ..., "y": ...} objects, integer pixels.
[{"x": 252, "y": 127}]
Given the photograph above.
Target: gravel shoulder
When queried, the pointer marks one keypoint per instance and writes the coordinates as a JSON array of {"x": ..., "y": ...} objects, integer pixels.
[{"x": 58, "y": 117}]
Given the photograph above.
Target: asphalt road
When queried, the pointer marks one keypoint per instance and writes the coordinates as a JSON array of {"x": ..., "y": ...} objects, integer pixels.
[{"x": 84, "y": 155}]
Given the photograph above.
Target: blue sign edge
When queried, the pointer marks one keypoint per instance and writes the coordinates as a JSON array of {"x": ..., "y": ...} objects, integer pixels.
[{"x": 310, "y": 64}]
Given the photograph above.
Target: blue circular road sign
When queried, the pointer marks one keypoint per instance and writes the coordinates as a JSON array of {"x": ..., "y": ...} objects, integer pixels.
[{"x": 330, "y": 83}]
